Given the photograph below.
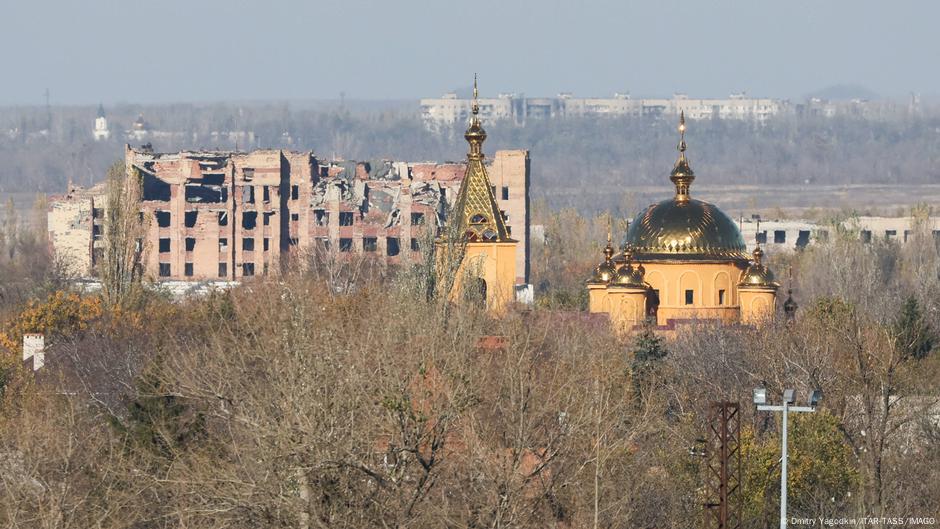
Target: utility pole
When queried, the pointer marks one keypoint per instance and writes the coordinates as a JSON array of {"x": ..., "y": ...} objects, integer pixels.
[{"x": 723, "y": 482}]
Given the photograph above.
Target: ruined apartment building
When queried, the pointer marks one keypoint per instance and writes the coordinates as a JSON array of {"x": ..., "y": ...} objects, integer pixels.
[{"x": 229, "y": 215}]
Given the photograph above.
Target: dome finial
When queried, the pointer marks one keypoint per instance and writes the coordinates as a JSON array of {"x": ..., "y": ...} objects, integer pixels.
[
  {"x": 681, "y": 145},
  {"x": 475, "y": 134},
  {"x": 682, "y": 175}
]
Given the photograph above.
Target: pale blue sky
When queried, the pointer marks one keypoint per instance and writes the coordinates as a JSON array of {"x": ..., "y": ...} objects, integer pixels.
[{"x": 202, "y": 50}]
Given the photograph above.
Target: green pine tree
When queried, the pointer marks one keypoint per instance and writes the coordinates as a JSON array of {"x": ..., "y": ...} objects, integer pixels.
[
  {"x": 648, "y": 353},
  {"x": 914, "y": 336}
]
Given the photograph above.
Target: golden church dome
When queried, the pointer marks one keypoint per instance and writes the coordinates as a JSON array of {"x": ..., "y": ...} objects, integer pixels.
[
  {"x": 605, "y": 272},
  {"x": 757, "y": 274},
  {"x": 629, "y": 275},
  {"x": 682, "y": 227},
  {"x": 693, "y": 230}
]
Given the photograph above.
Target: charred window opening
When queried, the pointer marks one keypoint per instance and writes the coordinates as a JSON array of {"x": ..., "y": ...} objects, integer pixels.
[
  {"x": 267, "y": 244},
  {"x": 96, "y": 231},
  {"x": 320, "y": 217},
  {"x": 249, "y": 220},
  {"x": 266, "y": 218},
  {"x": 345, "y": 218},
  {"x": 505, "y": 192},
  {"x": 248, "y": 269},
  {"x": 164, "y": 269},
  {"x": 223, "y": 218},
  {"x": 762, "y": 237},
  {"x": 97, "y": 213},
  {"x": 417, "y": 219},
  {"x": 188, "y": 269},
  {"x": 294, "y": 192},
  {"x": 266, "y": 193},
  {"x": 223, "y": 244},
  {"x": 248, "y": 194},
  {"x": 323, "y": 243},
  {"x": 478, "y": 219},
  {"x": 866, "y": 236},
  {"x": 780, "y": 236},
  {"x": 164, "y": 245},
  {"x": 264, "y": 269},
  {"x": 248, "y": 173},
  {"x": 200, "y": 193},
  {"x": 802, "y": 239},
  {"x": 223, "y": 269},
  {"x": 295, "y": 216},
  {"x": 155, "y": 189},
  {"x": 415, "y": 247},
  {"x": 293, "y": 241},
  {"x": 391, "y": 246},
  {"x": 369, "y": 244},
  {"x": 689, "y": 297},
  {"x": 190, "y": 244},
  {"x": 248, "y": 244},
  {"x": 190, "y": 218},
  {"x": 345, "y": 244},
  {"x": 163, "y": 218},
  {"x": 721, "y": 297}
]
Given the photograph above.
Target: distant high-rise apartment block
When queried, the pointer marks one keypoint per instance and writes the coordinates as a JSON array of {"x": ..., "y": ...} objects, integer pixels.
[
  {"x": 449, "y": 109},
  {"x": 224, "y": 215}
]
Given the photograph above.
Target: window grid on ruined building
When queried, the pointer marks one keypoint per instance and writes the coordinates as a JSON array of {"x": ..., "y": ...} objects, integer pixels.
[{"x": 369, "y": 244}]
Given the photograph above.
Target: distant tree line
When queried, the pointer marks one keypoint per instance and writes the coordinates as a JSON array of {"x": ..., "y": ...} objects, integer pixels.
[{"x": 600, "y": 157}]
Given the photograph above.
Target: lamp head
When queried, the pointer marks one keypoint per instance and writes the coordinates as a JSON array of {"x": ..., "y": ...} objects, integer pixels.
[
  {"x": 760, "y": 396},
  {"x": 815, "y": 397},
  {"x": 789, "y": 396}
]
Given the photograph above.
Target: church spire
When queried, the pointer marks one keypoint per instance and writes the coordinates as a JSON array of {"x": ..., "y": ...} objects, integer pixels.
[
  {"x": 682, "y": 175},
  {"x": 475, "y": 207}
]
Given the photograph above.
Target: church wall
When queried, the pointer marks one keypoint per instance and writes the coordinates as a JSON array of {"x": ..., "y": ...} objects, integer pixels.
[
  {"x": 672, "y": 279},
  {"x": 495, "y": 263}
]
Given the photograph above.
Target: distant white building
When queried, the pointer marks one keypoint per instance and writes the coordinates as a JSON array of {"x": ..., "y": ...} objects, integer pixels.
[
  {"x": 448, "y": 109},
  {"x": 101, "y": 132},
  {"x": 796, "y": 234}
]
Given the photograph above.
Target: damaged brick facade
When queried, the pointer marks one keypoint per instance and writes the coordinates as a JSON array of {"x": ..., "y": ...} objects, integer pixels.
[{"x": 221, "y": 215}]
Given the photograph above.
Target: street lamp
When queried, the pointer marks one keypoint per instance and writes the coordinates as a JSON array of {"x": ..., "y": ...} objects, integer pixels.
[{"x": 789, "y": 398}]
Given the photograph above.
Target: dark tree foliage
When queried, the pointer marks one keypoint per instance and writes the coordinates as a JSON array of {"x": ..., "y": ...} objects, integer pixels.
[
  {"x": 648, "y": 352},
  {"x": 915, "y": 337}
]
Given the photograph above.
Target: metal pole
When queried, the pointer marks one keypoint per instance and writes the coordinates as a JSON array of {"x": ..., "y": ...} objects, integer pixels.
[{"x": 783, "y": 472}]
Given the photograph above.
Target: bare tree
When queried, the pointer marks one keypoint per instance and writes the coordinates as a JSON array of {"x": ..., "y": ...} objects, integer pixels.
[{"x": 124, "y": 234}]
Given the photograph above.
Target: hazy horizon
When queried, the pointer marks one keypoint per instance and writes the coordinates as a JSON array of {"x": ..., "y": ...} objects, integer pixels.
[{"x": 236, "y": 50}]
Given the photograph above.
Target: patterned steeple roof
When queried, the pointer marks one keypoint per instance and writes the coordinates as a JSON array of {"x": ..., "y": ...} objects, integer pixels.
[{"x": 475, "y": 207}]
